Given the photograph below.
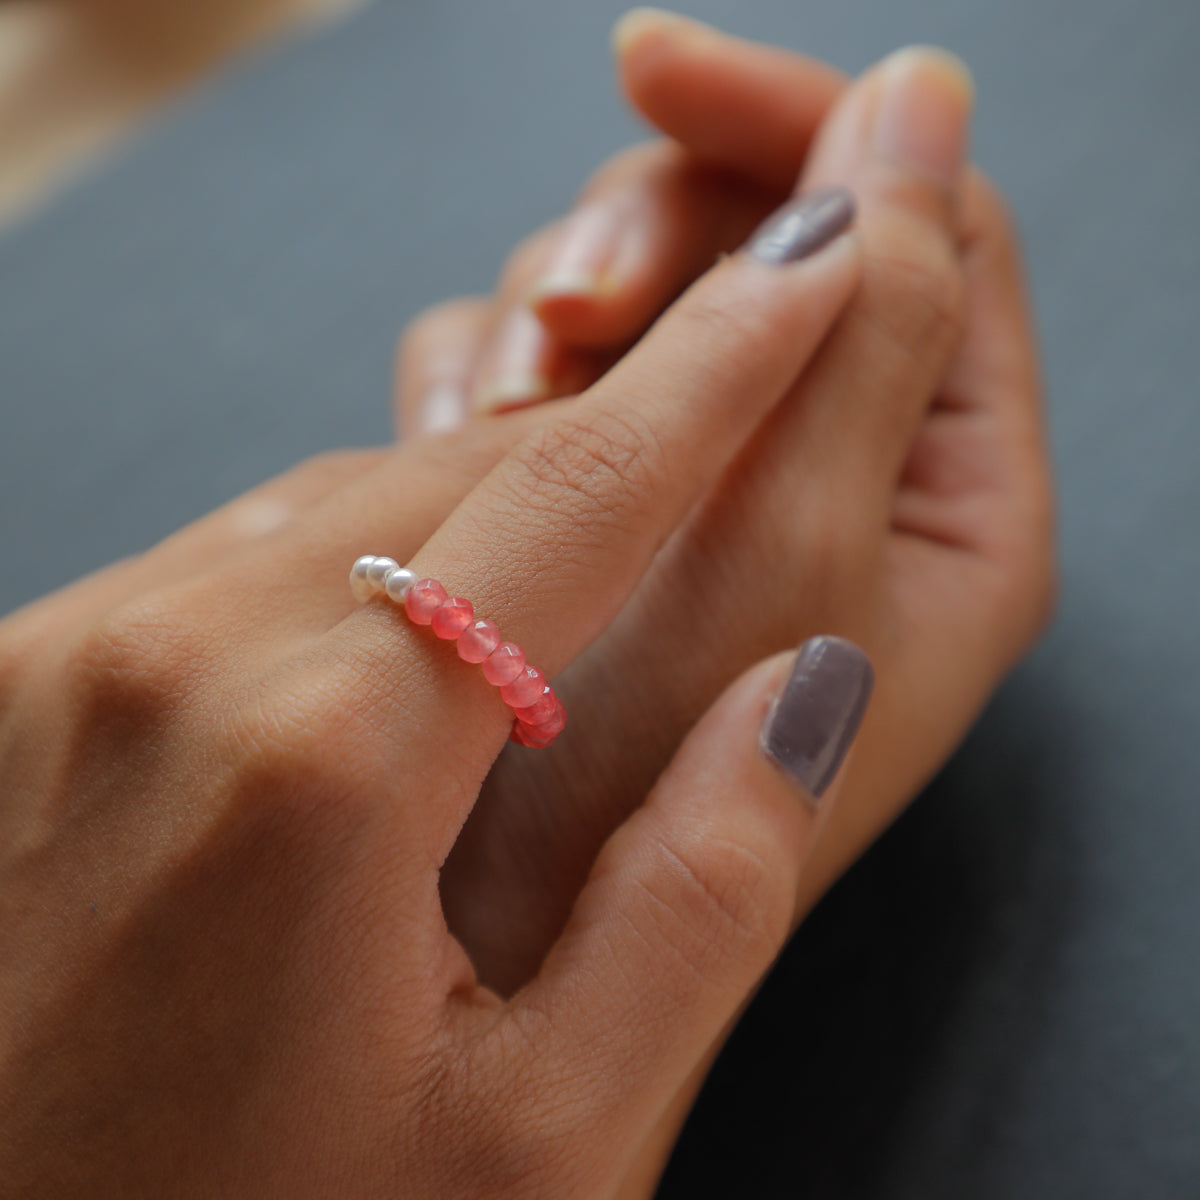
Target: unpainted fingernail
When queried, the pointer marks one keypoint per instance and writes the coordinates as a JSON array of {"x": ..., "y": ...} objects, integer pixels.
[
  {"x": 513, "y": 372},
  {"x": 923, "y": 120},
  {"x": 442, "y": 408},
  {"x": 813, "y": 722},
  {"x": 639, "y": 21},
  {"x": 802, "y": 226},
  {"x": 580, "y": 264}
]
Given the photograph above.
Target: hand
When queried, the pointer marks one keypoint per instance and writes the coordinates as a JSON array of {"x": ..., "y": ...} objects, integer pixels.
[
  {"x": 229, "y": 794},
  {"x": 901, "y": 495}
]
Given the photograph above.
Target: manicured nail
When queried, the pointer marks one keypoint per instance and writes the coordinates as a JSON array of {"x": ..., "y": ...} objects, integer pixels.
[
  {"x": 814, "y": 720},
  {"x": 441, "y": 409},
  {"x": 802, "y": 226},
  {"x": 514, "y": 371},
  {"x": 639, "y": 21},
  {"x": 924, "y": 114}
]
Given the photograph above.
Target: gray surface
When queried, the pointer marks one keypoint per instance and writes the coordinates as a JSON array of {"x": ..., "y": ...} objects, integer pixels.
[{"x": 1003, "y": 1000}]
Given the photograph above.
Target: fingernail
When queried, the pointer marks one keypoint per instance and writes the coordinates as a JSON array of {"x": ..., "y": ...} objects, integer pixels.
[
  {"x": 579, "y": 266},
  {"x": 802, "y": 226},
  {"x": 924, "y": 112},
  {"x": 441, "y": 409},
  {"x": 814, "y": 720},
  {"x": 638, "y": 21},
  {"x": 513, "y": 372}
]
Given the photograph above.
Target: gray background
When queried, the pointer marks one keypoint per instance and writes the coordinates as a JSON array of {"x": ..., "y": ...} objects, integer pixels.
[{"x": 1003, "y": 999}]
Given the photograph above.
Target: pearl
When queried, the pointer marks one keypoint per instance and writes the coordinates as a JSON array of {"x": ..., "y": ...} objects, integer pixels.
[
  {"x": 360, "y": 585},
  {"x": 377, "y": 572},
  {"x": 397, "y": 582}
]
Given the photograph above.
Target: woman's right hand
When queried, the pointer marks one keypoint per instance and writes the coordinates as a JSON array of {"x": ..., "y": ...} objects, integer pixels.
[{"x": 901, "y": 495}]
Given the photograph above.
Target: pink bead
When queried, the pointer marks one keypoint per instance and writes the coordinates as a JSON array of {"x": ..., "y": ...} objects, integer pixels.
[
  {"x": 531, "y": 736},
  {"x": 555, "y": 723},
  {"x": 504, "y": 664},
  {"x": 452, "y": 617},
  {"x": 542, "y": 709},
  {"x": 477, "y": 641},
  {"x": 524, "y": 689},
  {"x": 424, "y": 598}
]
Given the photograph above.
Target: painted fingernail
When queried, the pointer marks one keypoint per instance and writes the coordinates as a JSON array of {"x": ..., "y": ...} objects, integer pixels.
[
  {"x": 802, "y": 226},
  {"x": 924, "y": 114},
  {"x": 815, "y": 718},
  {"x": 514, "y": 370}
]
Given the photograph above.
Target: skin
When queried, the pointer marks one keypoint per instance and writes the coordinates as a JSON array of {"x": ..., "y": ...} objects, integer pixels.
[
  {"x": 230, "y": 792},
  {"x": 223, "y": 904},
  {"x": 922, "y": 527}
]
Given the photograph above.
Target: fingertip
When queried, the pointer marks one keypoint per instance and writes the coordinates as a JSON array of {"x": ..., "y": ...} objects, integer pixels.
[{"x": 636, "y": 28}]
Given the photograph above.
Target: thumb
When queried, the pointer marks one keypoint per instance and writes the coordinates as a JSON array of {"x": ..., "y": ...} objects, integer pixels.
[{"x": 690, "y": 900}]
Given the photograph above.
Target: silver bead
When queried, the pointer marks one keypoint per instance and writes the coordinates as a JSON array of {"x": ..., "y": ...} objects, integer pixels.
[
  {"x": 360, "y": 586},
  {"x": 397, "y": 583},
  {"x": 377, "y": 572}
]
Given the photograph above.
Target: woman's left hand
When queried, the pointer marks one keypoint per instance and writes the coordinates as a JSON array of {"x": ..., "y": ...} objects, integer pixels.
[{"x": 229, "y": 793}]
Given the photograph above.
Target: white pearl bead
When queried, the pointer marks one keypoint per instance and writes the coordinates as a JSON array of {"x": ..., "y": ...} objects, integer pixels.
[
  {"x": 378, "y": 570},
  {"x": 360, "y": 585},
  {"x": 397, "y": 583}
]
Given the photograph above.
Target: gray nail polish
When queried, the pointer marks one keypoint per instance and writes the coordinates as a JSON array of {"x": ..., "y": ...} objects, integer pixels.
[
  {"x": 814, "y": 719},
  {"x": 802, "y": 226}
]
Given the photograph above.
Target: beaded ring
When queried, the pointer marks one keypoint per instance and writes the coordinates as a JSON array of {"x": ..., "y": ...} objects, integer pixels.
[{"x": 538, "y": 713}]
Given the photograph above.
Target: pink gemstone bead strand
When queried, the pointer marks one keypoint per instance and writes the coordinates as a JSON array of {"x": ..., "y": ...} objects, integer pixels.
[{"x": 538, "y": 713}]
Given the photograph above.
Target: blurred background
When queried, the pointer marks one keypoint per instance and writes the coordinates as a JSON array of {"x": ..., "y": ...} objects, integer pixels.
[{"x": 214, "y": 221}]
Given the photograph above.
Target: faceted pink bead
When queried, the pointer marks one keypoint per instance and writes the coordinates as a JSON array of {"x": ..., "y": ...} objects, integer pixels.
[
  {"x": 424, "y": 598},
  {"x": 542, "y": 709},
  {"x": 452, "y": 617},
  {"x": 555, "y": 723},
  {"x": 477, "y": 641},
  {"x": 531, "y": 736},
  {"x": 525, "y": 689},
  {"x": 504, "y": 664}
]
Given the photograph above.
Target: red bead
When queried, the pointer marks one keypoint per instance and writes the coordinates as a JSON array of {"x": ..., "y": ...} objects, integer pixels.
[
  {"x": 542, "y": 709},
  {"x": 504, "y": 664},
  {"x": 452, "y": 617},
  {"x": 524, "y": 689},
  {"x": 477, "y": 641},
  {"x": 424, "y": 598}
]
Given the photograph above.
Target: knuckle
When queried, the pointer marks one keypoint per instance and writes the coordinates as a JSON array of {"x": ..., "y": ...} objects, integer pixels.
[
  {"x": 145, "y": 659},
  {"x": 604, "y": 464},
  {"x": 727, "y": 901},
  {"x": 917, "y": 295}
]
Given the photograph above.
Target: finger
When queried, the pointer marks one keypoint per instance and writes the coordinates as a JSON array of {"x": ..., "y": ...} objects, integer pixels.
[
  {"x": 645, "y": 226},
  {"x": 978, "y": 474},
  {"x": 197, "y": 548},
  {"x": 554, "y": 540},
  {"x": 749, "y": 107},
  {"x": 435, "y": 362},
  {"x": 577, "y": 294},
  {"x": 690, "y": 901},
  {"x": 898, "y": 138}
]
